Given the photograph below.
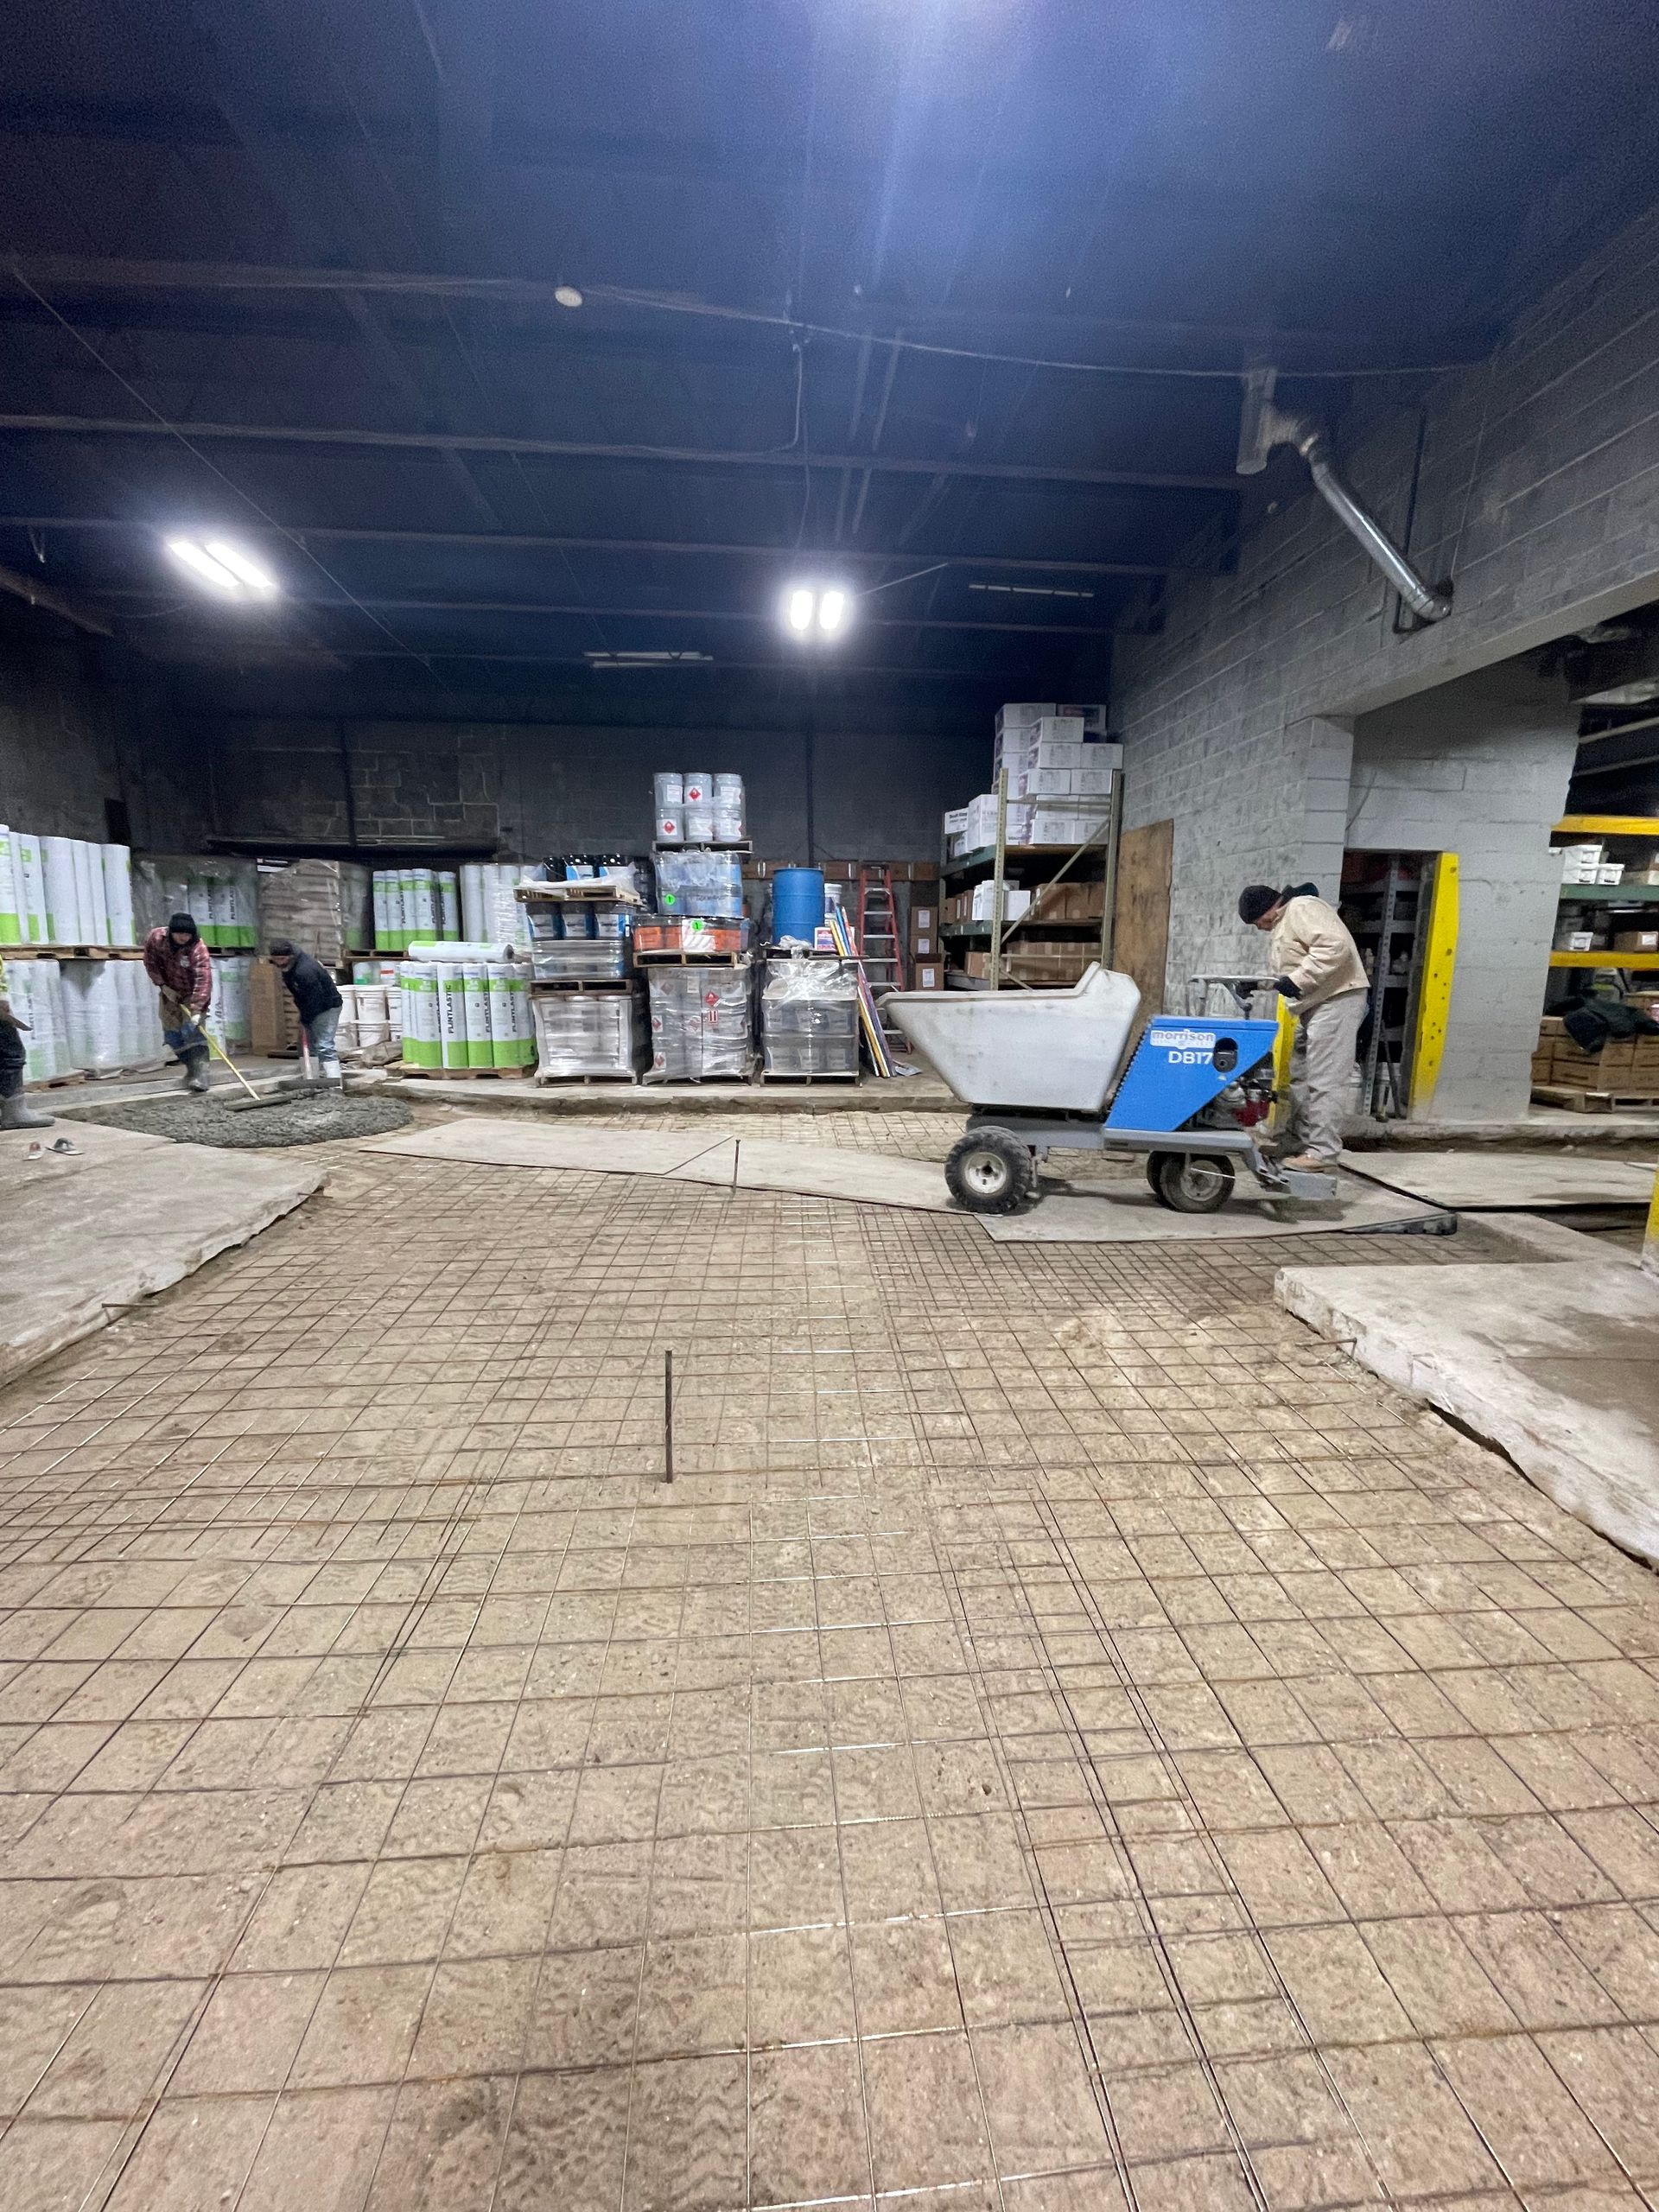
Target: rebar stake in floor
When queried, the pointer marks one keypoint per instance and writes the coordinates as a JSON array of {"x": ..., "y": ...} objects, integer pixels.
[{"x": 668, "y": 1416}]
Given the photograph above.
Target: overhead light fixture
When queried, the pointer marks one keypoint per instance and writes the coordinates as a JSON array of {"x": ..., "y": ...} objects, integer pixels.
[
  {"x": 222, "y": 568},
  {"x": 821, "y": 611},
  {"x": 641, "y": 658},
  {"x": 1034, "y": 591},
  {"x": 567, "y": 296}
]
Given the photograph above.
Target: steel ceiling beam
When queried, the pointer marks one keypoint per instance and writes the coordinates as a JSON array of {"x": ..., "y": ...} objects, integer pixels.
[
  {"x": 765, "y": 618},
  {"x": 448, "y": 442},
  {"x": 530, "y": 543},
  {"x": 80, "y": 272},
  {"x": 21, "y": 585}
]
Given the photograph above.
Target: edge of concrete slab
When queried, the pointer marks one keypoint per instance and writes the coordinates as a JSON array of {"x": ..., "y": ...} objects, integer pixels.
[
  {"x": 69, "y": 1321},
  {"x": 1477, "y": 1362},
  {"x": 907, "y": 1095}
]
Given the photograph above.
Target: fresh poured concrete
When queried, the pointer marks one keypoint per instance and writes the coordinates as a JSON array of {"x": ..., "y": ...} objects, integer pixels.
[
  {"x": 1125, "y": 1212},
  {"x": 1558, "y": 1365},
  {"x": 126, "y": 1215}
]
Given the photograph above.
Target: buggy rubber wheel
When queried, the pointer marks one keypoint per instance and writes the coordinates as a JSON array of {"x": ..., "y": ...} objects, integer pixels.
[
  {"x": 1190, "y": 1182},
  {"x": 991, "y": 1171}
]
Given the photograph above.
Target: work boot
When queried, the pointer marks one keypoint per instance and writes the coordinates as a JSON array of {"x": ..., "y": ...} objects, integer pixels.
[
  {"x": 195, "y": 1070},
  {"x": 16, "y": 1113},
  {"x": 1308, "y": 1163}
]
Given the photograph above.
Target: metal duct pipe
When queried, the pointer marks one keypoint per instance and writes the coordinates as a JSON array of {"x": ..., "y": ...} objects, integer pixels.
[{"x": 1263, "y": 426}]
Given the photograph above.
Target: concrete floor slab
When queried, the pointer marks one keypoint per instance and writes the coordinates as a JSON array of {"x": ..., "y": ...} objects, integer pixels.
[
  {"x": 128, "y": 1216},
  {"x": 1067, "y": 1738},
  {"x": 1557, "y": 1364},
  {"x": 1511, "y": 1181}
]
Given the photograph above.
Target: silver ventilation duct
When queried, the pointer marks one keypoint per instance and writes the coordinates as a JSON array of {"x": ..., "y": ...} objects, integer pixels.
[{"x": 1263, "y": 426}]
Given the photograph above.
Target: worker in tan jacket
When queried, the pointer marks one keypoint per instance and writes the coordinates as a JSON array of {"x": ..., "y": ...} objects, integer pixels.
[{"x": 1318, "y": 969}]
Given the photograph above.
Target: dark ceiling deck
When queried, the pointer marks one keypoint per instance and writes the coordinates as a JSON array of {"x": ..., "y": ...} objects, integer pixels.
[{"x": 288, "y": 271}]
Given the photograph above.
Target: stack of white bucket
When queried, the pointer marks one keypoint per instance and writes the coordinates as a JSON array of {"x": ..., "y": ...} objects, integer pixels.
[
  {"x": 372, "y": 1011},
  {"x": 466, "y": 1005},
  {"x": 697, "y": 809}
]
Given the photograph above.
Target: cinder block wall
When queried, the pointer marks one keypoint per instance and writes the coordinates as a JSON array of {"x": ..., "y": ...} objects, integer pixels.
[
  {"x": 1539, "y": 490},
  {"x": 1479, "y": 767}
]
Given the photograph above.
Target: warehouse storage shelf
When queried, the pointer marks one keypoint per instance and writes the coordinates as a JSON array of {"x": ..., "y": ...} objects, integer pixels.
[
  {"x": 968, "y": 863},
  {"x": 1610, "y": 894},
  {"x": 1605, "y": 958},
  {"x": 1607, "y": 825},
  {"x": 980, "y": 932}
]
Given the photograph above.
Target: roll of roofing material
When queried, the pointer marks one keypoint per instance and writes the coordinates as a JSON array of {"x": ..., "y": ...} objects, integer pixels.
[
  {"x": 452, "y": 1013},
  {"x": 62, "y": 903},
  {"x": 117, "y": 862},
  {"x": 422, "y": 1042},
  {"x": 475, "y": 1012},
  {"x": 86, "y": 901},
  {"x": 448, "y": 903},
  {"x": 14, "y": 914},
  {"x": 472, "y": 902}
]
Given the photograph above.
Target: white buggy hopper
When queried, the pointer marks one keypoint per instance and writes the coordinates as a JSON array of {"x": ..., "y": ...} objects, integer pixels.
[{"x": 1054, "y": 1052}]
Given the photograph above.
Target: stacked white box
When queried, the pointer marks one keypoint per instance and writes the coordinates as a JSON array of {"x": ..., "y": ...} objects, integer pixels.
[
  {"x": 1580, "y": 863},
  {"x": 1014, "y": 901}
]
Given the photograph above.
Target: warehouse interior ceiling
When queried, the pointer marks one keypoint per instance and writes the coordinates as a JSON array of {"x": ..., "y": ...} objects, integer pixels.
[{"x": 532, "y": 343}]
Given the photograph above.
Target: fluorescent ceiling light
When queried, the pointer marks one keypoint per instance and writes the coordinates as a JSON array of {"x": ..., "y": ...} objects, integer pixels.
[
  {"x": 817, "y": 610},
  {"x": 224, "y": 568},
  {"x": 567, "y": 296},
  {"x": 204, "y": 568},
  {"x": 246, "y": 570}
]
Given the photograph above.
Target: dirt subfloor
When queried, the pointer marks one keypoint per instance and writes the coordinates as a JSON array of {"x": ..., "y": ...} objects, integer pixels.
[{"x": 209, "y": 1120}]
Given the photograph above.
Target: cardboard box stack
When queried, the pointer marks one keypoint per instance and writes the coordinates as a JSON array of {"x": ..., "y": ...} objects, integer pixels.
[
  {"x": 1628, "y": 1068},
  {"x": 1040, "y": 965},
  {"x": 327, "y": 907},
  {"x": 1060, "y": 774}
]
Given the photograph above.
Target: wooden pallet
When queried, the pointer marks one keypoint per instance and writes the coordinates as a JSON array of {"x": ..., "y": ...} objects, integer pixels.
[
  {"x": 694, "y": 959},
  {"x": 616, "y": 1075},
  {"x": 464, "y": 1075},
  {"x": 72, "y": 952},
  {"x": 58, "y": 1081},
  {"x": 840, "y": 1075},
  {"x": 611, "y": 986},
  {"x": 1591, "y": 1102}
]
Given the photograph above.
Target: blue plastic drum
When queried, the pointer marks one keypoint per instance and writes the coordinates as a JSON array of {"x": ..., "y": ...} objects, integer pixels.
[{"x": 797, "y": 903}]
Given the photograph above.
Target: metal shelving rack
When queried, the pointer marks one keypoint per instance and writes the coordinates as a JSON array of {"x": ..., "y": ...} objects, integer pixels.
[{"x": 997, "y": 931}]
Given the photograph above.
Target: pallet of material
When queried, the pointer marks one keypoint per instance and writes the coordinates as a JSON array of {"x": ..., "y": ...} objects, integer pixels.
[{"x": 841, "y": 1074}]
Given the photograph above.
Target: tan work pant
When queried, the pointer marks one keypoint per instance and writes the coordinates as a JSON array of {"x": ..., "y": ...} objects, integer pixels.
[{"x": 1321, "y": 1069}]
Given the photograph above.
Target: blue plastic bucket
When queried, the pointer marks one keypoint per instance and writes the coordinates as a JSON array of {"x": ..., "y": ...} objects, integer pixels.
[{"x": 797, "y": 903}]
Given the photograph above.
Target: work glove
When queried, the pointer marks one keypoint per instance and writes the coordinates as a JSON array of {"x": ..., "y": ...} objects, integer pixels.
[{"x": 1286, "y": 988}]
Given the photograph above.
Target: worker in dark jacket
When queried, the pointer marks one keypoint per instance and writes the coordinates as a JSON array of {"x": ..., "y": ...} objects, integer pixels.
[{"x": 312, "y": 990}]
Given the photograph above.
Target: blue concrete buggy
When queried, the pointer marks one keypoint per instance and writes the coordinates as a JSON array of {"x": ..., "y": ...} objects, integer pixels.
[{"x": 1054, "y": 1070}]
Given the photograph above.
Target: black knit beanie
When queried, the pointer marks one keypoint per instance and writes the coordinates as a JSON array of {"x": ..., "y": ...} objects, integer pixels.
[
  {"x": 1254, "y": 899},
  {"x": 177, "y": 923}
]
